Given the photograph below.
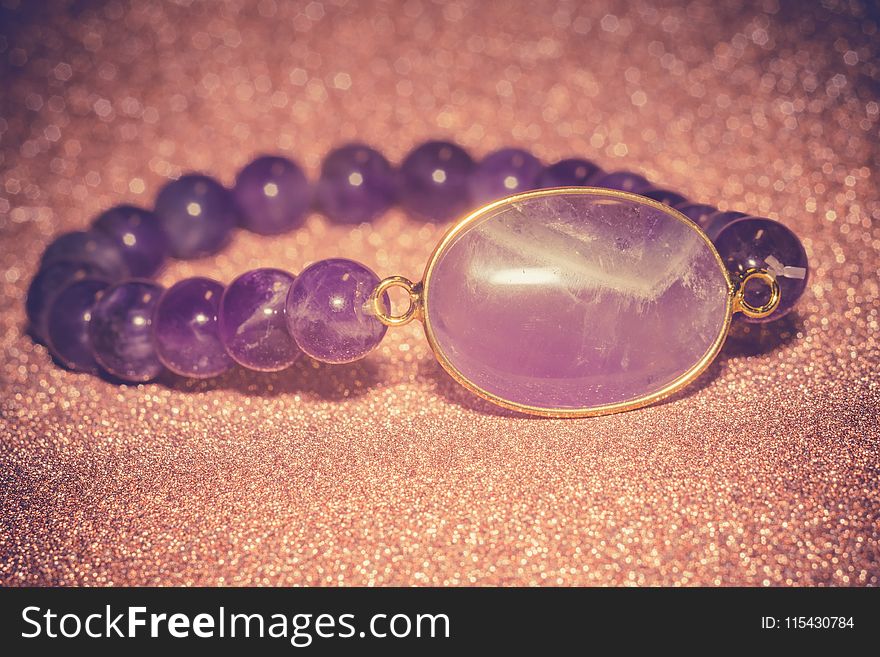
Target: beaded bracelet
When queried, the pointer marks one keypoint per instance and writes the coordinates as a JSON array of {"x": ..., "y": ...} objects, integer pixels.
[{"x": 578, "y": 293}]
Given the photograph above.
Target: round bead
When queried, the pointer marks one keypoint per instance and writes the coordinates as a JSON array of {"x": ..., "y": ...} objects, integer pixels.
[
  {"x": 434, "y": 180},
  {"x": 699, "y": 213},
  {"x": 187, "y": 331},
  {"x": 273, "y": 195},
  {"x": 121, "y": 331},
  {"x": 252, "y": 323},
  {"x": 503, "y": 173},
  {"x": 67, "y": 324},
  {"x": 48, "y": 282},
  {"x": 569, "y": 173},
  {"x": 755, "y": 242},
  {"x": 357, "y": 184},
  {"x": 92, "y": 247},
  {"x": 197, "y": 214},
  {"x": 328, "y": 311},
  {"x": 664, "y": 196},
  {"x": 625, "y": 181},
  {"x": 719, "y": 220},
  {"x": 138, "y": 235}
]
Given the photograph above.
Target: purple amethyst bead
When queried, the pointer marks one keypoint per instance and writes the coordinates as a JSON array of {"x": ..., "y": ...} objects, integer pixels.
[
  {"x": 252, "y": 322},
  {"x": 664, "y": 196},
  {"x": 357, "y": 184},
  {"x": 503, "y": 173},
  {"x": 569, "y": 173},
  {"x": 699, "y": 213},
  {"x": 756, "y": 242},
  {"x": 121, "y": 331},
  {"x": 197, "y": 214},
  {"x": 48, "y": 282},
  {"x": 67, "y": 324},
  {"x": 187, "y": 331},
  {"x": 138, "y": 235},
  {"x": 625, "y": 181},
  {"x": 719, "y": 220},
  {"x": 328, "y": 311},
  {"x": 434, "y": 180},
  {"x": 92, "y": 247},
  {"x": 273, "y": 195}
]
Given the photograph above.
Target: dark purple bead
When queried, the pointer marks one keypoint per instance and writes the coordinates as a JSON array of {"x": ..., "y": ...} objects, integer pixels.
[
  {"x": 719, "y": 220},
  {"x": 273, "y": 195},
  {"x": 503, "y": 173},
  {"x": 187, "y": 331},
  {"x": 328, "y": 311},
  {"x": 93, "y": 247},
  {"x": 664, "y": 196},
  {"x": 569, "y": 173},
  {"x": 197, "y": 214},
  {"x": 434, "y": 180},
  {"x": 699, "y": 213},
  {"x": 755, "y": 242},
  {"x": 48, "y": 282},
  {"x": 252, "y": 322},
  {"x": 121, "y": 331},
  {"x": 625, "y": 181},
  {"x": 67, "y": 324},
  {"x": 138, "y": 235},
  {"x": 357, "y": 184}
]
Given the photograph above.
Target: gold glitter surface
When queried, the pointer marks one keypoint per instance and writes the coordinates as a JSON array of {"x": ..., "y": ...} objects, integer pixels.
[{"x": 764, "y": 472}]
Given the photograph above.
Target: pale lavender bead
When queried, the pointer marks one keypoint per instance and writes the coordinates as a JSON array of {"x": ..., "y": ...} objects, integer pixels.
[
  {"x": 187, "y": 331},
  {"x": 699, "y": 213},
  {"x": 502, "y": 173},
  {"x": 664, "y": 196},
  {"x": 756, "y": 242},
  {"x": 93, "y": 247},
  {"x": 197, "y": 214},
  {"x": 67, "y": 324},
  {"x": 48, "y": 282},
  {"x": 434, "y": 180},
  {"x": 328, "y": 311},
  {"x": 273, "y": 195},
  {"x": 121, "y": 331},
  {"x": 719, "y": 220},
  {"x": 573, "y": 172},
  {"x": 252, "y": 322},
  {"x": 625, "y": 181},
  {"x": 356, "y": 185},
  {"x": 138, "y": 235}
]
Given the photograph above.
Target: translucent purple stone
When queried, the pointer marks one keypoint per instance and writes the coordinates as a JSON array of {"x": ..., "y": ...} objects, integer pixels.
[
  {"x": 664, "y": 196},
  {"x": 572, "y": 172},
  {"x": 328, "y": 311},
  {"x": 502, "y": 173},
  {"x": 576, "y": 300},
  {"x": 92, "y": 247},
  {"x": 67, "y": 324},
  {"x": 273, "y": 195},
  {"x": 625, "y": 181},
  {"x": 719, "y": 220},
  {"x": 48, "y": 282},
  {"x": 252, "y": 322},
  {"x": 434, "y": 180},
  {"x": 197, "y": 214},
  {"x": 755, "y": 242},
  {"x": 357, "y": 184},
  {"x": 138, "y": 236},
  {"x": 121, "y": 331},
  {"x": 699, "y": 213},
  {"x": 187, "y": 330}
]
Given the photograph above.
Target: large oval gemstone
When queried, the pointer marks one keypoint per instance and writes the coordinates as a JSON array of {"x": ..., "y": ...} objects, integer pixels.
[{"x": 576, "y": 301}]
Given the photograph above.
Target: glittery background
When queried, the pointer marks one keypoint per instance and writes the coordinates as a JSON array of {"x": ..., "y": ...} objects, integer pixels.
[{"x": 386, "y": 472}]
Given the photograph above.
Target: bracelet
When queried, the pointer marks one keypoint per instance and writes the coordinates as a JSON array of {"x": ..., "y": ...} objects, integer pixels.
[{"x": 569, "y": 292}]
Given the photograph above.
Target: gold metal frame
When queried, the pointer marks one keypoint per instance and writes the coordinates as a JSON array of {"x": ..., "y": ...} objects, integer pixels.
[{"x": 420, "y": 299}]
